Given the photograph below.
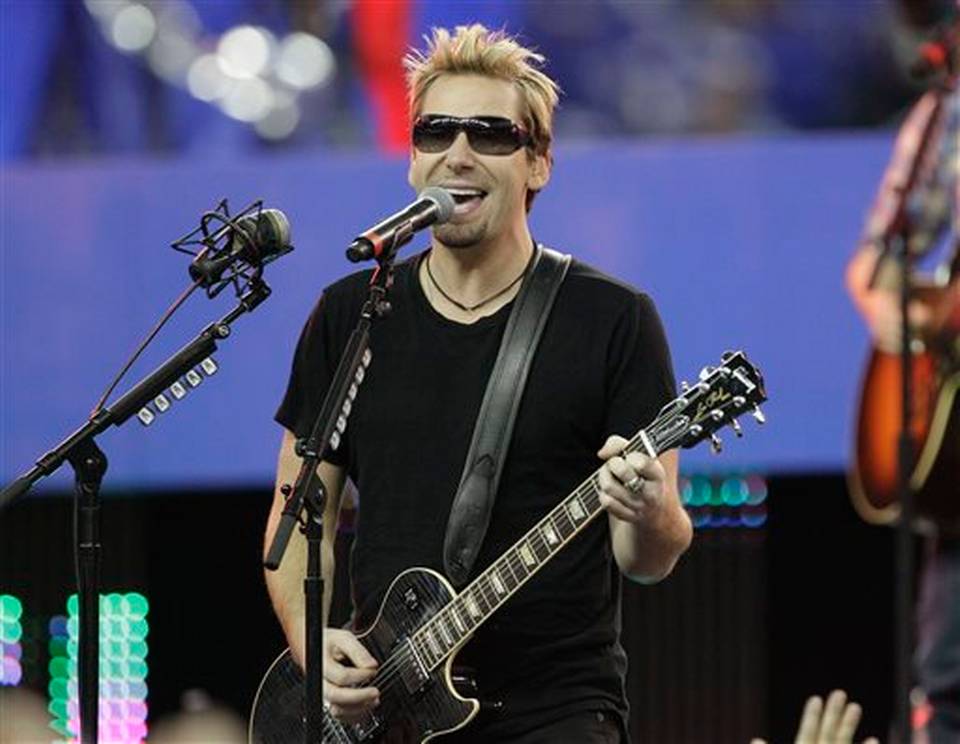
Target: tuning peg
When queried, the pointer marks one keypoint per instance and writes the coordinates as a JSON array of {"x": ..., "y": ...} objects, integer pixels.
[
  {"x": 684, "y": 386},
  {"x": 727, "y": 355},
  {"x": 735, "y": 425},
  {"x": 706, "y": 372},
  {"x": 716, "y": 444},
  {"x": 716, "y": 414},
  {"x": 758, "y": 415}
]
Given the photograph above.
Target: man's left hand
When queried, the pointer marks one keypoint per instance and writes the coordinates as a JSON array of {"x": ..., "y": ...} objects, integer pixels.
[{"x": 632, "y": 485}]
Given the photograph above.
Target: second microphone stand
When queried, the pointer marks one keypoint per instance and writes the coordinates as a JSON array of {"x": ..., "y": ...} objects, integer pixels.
[
  {"x": 307, "y": 494},
  {"x": 896, "y": 245}
]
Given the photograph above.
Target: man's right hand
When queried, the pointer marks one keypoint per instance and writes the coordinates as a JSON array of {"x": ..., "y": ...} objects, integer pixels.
[
  {"x": 880, "y": 306},
  {"x": 883, "y": 320},
  {"x": 346, "y": 666}
]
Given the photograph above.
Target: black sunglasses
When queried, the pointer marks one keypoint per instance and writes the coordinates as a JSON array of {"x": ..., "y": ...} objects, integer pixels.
[{"x": 487, "y": 135}]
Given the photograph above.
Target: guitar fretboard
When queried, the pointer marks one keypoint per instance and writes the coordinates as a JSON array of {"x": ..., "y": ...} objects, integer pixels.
[
  {"x": 450, "y": 627},
  {"x": 721, "y": 395}
]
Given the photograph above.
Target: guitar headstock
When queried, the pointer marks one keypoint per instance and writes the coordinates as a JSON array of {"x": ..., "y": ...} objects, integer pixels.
[{"x": 721, "y": 395}]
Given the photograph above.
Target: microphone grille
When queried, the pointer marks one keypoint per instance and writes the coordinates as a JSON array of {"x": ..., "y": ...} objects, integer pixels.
[
  {"x": 269, "y": 229},
  {"x": 443, "y": 200},
  {"x": 275, "y": 226}
]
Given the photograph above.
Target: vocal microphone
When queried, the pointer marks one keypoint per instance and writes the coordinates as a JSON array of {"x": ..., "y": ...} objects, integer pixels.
[
  {"x": 256, "y": 238},
  {"x": 434, "y": 205}
]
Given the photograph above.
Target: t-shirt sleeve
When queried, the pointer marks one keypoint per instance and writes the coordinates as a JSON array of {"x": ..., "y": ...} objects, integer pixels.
[
  {"x": 641, "y": 379},
  {"x": 314, "y": 365}
]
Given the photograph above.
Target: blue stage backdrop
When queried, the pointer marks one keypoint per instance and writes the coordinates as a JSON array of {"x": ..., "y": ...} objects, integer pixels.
[{"x": 741, "y": 242}]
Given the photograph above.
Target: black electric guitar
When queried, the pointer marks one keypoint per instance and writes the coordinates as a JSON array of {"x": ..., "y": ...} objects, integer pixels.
[{"x": 423, "y": 622}]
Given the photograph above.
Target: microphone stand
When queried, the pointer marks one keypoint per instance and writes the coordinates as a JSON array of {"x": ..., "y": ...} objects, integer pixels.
[
  {"x": 90, "y": 465},
  {"x": 896, "y": 245},
  {"x": 308, "y": 492},
  {"x": 904, "y": 551}
]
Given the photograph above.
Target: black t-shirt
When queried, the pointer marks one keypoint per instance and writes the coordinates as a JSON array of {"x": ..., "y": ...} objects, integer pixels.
[{"x": 603, "y": 367}]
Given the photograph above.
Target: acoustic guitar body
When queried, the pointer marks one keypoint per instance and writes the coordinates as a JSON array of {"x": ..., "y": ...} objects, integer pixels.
[{"x": 934, "y": 430}]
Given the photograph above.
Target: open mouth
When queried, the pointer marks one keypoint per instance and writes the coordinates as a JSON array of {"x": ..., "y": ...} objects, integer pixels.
[{"x": 466, "y": 200}]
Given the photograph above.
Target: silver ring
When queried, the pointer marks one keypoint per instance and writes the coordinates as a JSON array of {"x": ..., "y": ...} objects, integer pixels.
[{"x": 635, "y": 484}]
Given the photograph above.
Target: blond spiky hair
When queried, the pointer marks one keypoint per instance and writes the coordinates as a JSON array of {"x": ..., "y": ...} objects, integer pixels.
[{"x": 476, "y": 50}]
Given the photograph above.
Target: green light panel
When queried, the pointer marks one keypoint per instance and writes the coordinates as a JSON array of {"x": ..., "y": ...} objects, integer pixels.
[
  {"x": 733, "y": 500},
  {"x": 11, "y": 631},
  {"x": 123, "y": 669}
]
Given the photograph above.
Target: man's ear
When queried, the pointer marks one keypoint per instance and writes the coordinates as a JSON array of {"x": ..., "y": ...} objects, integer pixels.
[
  {"x": 539, "y": 174},
  {"x": 413, "y": 156}
]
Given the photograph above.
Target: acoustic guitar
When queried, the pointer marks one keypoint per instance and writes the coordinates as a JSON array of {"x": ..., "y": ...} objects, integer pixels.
[
  {"x": 934, "y": 426},
  {"x": 423, "y": 622}
]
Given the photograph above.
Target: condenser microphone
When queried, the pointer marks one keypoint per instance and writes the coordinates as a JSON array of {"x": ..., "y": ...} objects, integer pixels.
[
  {"x": 434, "y": 205},
  {"x": 254, "y": 239}
]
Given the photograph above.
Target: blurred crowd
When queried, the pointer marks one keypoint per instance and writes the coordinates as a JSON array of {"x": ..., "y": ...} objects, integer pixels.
[
  {"x": 24, "y": 720},
  {"x": 188, "y": 77}
]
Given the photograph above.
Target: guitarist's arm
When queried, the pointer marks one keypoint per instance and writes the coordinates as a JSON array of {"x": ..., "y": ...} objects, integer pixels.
[
  {"x": 649, "y": 527},
  {"x": 346, "y": 662},
  {"x": 879, "y": 304},
  {"x": 285, "y": 585}
]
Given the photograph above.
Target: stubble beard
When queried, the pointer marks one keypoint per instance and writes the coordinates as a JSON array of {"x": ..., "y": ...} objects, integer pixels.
[{"x": 460, "y": 236}]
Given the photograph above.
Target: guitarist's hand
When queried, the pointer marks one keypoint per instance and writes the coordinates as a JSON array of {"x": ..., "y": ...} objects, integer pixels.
[
  {"x": 631, "y": 486},
  {"x": 882, "y": 314},
  {"x": 346, "y": 666},
  {"x": 880, "y": 305}
]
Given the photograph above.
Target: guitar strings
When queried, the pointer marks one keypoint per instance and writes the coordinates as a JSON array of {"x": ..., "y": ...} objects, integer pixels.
[
  {"x": 387, "y": 676},
  {"x": 480, "y": 587},
  {"x": 390, "y": 672}
]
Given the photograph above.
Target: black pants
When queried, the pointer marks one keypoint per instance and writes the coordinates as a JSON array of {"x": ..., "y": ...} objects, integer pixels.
[
  {"x": 938, "y": 648},
  {"x": 584, "y": 727}
]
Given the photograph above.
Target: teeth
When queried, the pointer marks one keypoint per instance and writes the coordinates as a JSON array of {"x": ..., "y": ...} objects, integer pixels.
[{"x": 466, "y": 192}]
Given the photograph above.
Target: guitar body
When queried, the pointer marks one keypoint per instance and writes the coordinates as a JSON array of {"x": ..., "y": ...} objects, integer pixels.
[
  {"x": 416, "y": 705},
  {"x": 934, "y": 430}
]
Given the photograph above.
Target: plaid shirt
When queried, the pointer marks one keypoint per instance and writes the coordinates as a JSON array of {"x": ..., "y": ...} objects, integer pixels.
[{"x": 934, "y": 202}]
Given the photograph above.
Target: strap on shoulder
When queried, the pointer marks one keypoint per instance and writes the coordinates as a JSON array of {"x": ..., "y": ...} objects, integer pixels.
[{"x": 473, "y": 504}]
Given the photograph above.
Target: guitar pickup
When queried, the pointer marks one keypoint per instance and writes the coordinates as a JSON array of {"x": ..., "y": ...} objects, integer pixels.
[{"x": 414, "y": 674}]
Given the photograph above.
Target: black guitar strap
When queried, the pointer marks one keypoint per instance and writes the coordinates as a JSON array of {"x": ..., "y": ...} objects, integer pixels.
[{"x": 473, "y": 504}]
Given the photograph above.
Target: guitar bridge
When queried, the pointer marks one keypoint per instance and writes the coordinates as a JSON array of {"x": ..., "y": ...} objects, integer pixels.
[{"x": 368, "y": 727}]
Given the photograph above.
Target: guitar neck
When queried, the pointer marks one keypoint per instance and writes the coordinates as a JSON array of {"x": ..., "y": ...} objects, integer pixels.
[
  {"x": 722, "y": 394},
  {"x": 450, "y": 627}
]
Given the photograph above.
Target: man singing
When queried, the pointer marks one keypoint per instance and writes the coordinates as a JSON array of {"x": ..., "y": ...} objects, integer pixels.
[{"x": 481, "y": 111}]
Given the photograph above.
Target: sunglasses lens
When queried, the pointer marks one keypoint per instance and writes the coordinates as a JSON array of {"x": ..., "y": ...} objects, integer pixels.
[
  {"x": 494, "y": 140},
  {"x": 434, "y": 136},
  {"x": 487, "y": 136}
]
